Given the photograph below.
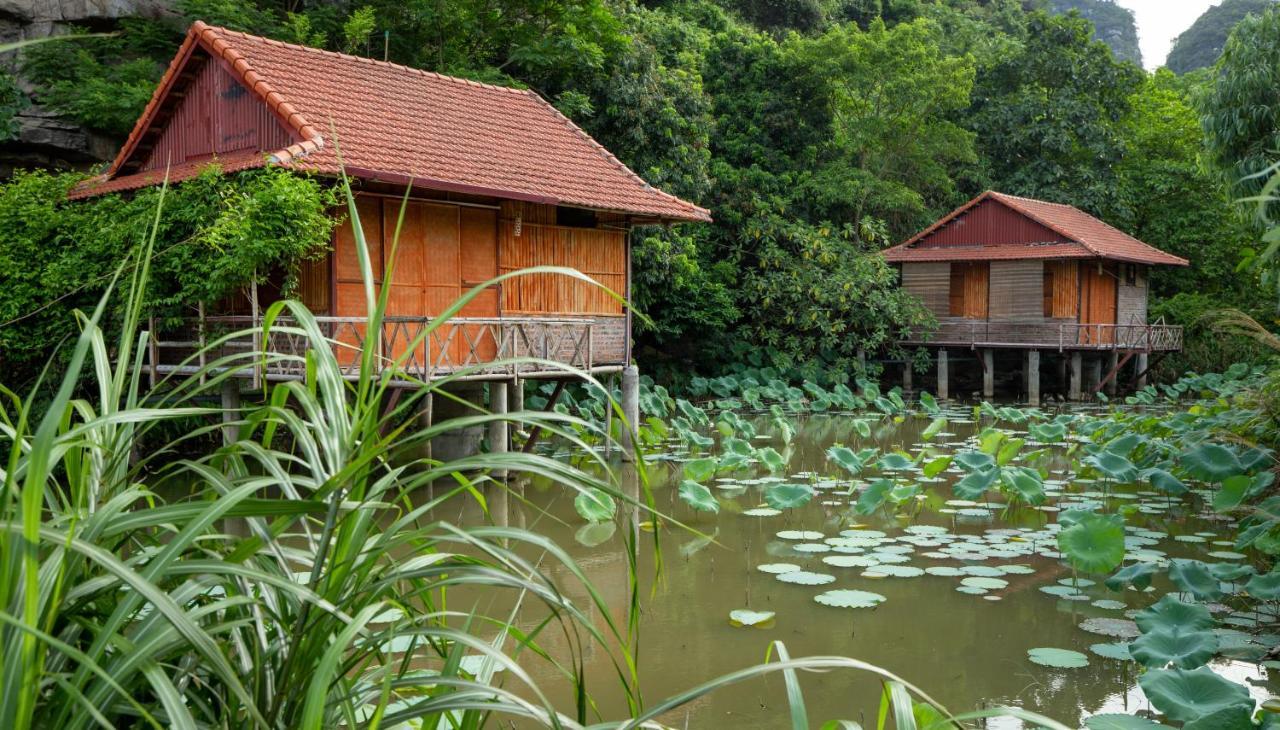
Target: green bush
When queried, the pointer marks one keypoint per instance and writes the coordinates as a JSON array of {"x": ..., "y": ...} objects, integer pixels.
[{"x": 219, "y": 232}]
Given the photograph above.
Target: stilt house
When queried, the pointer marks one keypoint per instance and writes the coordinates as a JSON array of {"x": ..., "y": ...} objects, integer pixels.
[
  {"x": 500, "y": 181},
  {"x": 1004, "y": 272}
]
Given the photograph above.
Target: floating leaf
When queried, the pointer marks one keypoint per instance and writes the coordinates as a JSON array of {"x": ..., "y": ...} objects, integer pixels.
[
  {"x": 698, "y": 497},
  {"x": 806, "y": 578},
  {"x": 1118, "y": 627},
  {"x": 1059, "y": 658},
  {"x": 595, "y": 533},
  {"x": 1094, "y": 544},
  {"x": 1185, "y": 695},
  {"x": 1118, "y": 650},
  {"x": 788, "y": 496},
  {"x": 1117, "y": 721},
  {"x": 1185, "y": 649},
  {"x": 758, "y": 619},
  {"x": 595, "y": 505},
  {"x": 850, "y": 599},
  {"x": 777, "y": 568}
]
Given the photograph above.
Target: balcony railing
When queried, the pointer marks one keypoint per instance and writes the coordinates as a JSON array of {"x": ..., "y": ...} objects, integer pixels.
[
  {"x": 1053, "y": 335},
  {"x": 483, "y": 347}
]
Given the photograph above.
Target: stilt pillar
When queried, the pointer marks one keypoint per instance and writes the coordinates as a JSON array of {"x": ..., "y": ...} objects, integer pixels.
[
  {"x": 944, "y": 385},
  {"x": 1141, "y": 362},
  {"x": 907, "y": 375},
  {"x": 1095, "y": 374},
  {"x": 515, "y": 395},
  {"x": 499, "y": 438},
  {"x": 1076, "y": 368},
  {"x": 988, "y": 373},
  {"x": 1113, "y": 364},
  {"x": 230, "y": 411},
  {"x": 1033, "y": 377},
  {"x": 630, "y": 410}
]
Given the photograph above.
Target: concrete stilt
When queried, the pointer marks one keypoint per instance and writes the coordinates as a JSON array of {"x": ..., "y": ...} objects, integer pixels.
[
  {"x": 1095, "y": 374},
  {"x": 499, "y": 439},
  {"x": 944, "y": 385},
  {"x": 907, "y": 375},
  {"x": 988, "y": 373},
  {"x": 630, "y": 410},
  {"x": 1141, "y": 363},
  {"x": 515, "y": 395},
  {"x": 1077, "y": 367},
  {"x": 230, "y": 411},
  {"x": 1033, "y": 377},
  {"x": 1112, "y": 363}
]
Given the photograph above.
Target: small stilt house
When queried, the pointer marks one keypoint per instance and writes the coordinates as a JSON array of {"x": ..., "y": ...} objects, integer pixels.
[
  {"x": 499, "y": 181},
  {"x": 1009, "y": 273}
]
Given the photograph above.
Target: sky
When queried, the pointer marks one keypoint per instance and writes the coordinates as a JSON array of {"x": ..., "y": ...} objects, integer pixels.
[{"x": 1160, "y": 21}]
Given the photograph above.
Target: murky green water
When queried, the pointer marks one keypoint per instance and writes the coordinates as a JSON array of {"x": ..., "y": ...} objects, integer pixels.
[{"x": 967, "y": 650}]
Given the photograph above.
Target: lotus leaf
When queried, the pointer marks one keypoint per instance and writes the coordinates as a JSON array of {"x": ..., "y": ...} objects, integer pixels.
[
  {"x": 1211, "y": 462},
  {"x": 595, "y": 505},
  {"x": 1194, "y": 577},
  {"x": 850, "y": 599},
  {"x": 1165, "y": 482},
  {"x": 699, "y": 497},
  {"x": 972, "y": 461},
  {"x": 975, "y": 484},
  {"x": 1118, "y": 650},
  {"x": 805, "y": 578},
  {"x": 1265, "y": 587},
  {"x": 1094, "y": 544},
  {"x": 1113, "y": 466},
  {"x": 772, "y": 460},
  {"x": 933, "y": 429},
  {"x": 1059, "y": 658},
  {"x": 777, "y": 568},
  {"x": 1118, "y": 627},
  {"x": 1185, "y": 649},
  {"x": 758, "y": 619},
  {"x": 1170, "y": 613},
  {"x": 1188, "y": 694},
  {"x": 936, "y": 466},
  {"x": 799, "y": 535},
  {"x": 1232, "y": 492},
  {"x": 1137, "y": 575},
  {"x": 846, "y": 459},
  {"x": 762, "y": 512},
  {"x": 700, "y": 470},
  {"x": 874, "y": 496},
  {"x": 788, "y": 496},
  {"x": 595, "y": 533},
  {"x": 894, "y": 462}
]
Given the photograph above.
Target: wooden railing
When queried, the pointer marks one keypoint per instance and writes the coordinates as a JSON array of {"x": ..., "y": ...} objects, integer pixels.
[
  {"x": 481, "y": 346},
  {"x": 1051, "y": 334}
]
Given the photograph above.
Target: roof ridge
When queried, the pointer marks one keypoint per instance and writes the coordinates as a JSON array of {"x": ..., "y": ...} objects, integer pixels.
[
  {"x": 610, "y": 157},
  {"x": 366, "y": 59}
]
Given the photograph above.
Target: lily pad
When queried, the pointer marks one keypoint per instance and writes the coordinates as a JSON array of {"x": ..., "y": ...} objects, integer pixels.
[
  {"x": 744, "y": 617},
  {"x": 595, "y": 505},
  {"x": 850, "y": 599},
  {"x": 806, "y": 578},
  {"x": 1118, "y": 650},
  {"x": 1105, "y": 626},
  {"x": 1059, "y": 658},
  {"x": 778, "y": 568},
  {"x": 1116, "y": 721}
]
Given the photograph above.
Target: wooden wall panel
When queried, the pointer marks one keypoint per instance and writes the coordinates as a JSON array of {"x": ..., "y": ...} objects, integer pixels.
[
  {"x": 1061, "y": 289},
  {"x": 969, "y": 290},
  {"x": 600, "y": 254},
  {"x": 931, "y": 282},
  {"x": 314, "y": 283},
  {"x": 1097, "y": 293},
  {"x": 1017, "y": 290}
]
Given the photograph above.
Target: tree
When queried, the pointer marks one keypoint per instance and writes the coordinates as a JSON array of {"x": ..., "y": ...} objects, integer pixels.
[
  {"x": 1240, "y": 111},
  {"x": 1048, "y": 118},
  {"x": 1112, "y": 25}
]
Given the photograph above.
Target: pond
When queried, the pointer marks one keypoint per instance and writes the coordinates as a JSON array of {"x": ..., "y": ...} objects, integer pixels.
[{"x": 950, "y": 594}]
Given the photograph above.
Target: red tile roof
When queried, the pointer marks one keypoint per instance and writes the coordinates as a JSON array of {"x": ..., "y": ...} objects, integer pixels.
[
  {"x": 1087, "y": 237},
  {"x": 393, "y": 123}
]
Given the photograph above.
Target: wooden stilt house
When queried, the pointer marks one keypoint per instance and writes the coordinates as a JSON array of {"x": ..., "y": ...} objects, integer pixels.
[
  {"x": 500, "y": 181},
  {"x": 1005, "y": 272}
]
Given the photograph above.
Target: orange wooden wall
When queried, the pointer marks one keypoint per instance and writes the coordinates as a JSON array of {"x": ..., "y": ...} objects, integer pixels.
[
  {"x": 1097, "y": 293},
  {"x": 600, "y": 253}
]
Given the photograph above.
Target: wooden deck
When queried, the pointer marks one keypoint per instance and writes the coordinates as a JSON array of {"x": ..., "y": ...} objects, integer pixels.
[
  {"x": 468, "y": 348},
  {"x": 1048, "y": 335}
]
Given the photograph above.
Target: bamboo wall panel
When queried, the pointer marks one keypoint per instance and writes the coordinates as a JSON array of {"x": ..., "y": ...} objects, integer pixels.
[
  {"x": 1017, "y": 290},
  {"x": 969, "y": 289},
  {"x": 216, "y": 115},
  {"x": 1061, "y": 289},
  {"x": 1132, "y": 298},
  {"x": 314, "y": 284},
  {"x": 931, "y": 282},
  {"x": 349, "y": 300},
  {"x": 478, "y": 244},
  {"x": 600, "y": 254},
  {"x": 990, "y": 223}
]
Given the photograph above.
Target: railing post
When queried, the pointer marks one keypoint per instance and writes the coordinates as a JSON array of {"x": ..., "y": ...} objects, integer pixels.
[
  {"x": 153, "y": 349},
  {"x": 200, "y": 338},
  {"x": 258, "y": 354}
]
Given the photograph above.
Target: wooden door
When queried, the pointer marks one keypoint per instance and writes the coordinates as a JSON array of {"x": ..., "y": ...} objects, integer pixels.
[
  {"x": 970, "y": 284},
  {"x": 478, "y": 262},
  {"x": 348, "y": 286},
  {"x": 1097, "y": 303}
]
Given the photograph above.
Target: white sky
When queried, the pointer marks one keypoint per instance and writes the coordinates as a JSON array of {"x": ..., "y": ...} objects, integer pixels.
[{"x": 1160, "y": 21}]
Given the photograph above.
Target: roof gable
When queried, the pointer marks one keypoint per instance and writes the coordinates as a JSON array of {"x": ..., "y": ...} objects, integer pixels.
[
  {"x": 998, "y": 226},
  {"x": 389, "y": 122}
]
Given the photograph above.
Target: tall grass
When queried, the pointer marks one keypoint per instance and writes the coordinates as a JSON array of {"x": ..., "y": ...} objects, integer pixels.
[{"x": 342, "y": 601}]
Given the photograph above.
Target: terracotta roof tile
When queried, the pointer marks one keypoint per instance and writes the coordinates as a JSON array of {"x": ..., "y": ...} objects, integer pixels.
[
  {"x": 390, "y": 122},
  {"x": 1089, "y": 237}
]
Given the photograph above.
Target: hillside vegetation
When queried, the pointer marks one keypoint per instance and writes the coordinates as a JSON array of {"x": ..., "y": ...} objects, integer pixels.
[
  {"x": 1112, "y": 24},
  {"x": 1200, "y": 45}
]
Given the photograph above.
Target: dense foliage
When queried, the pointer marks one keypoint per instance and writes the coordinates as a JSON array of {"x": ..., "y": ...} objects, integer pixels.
[
  {"x": 1200, "y": 45},
  {"x": 817, "y": 131},
  {"x": 220, "y": 233}
]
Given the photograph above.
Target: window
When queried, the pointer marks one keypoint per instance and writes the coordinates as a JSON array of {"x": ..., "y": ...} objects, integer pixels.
[{"x": 1061, "y": 289}]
